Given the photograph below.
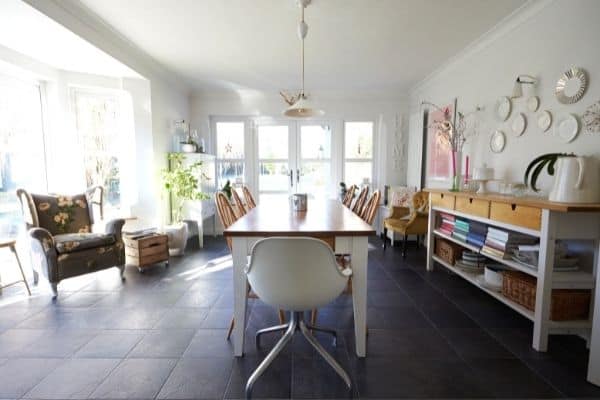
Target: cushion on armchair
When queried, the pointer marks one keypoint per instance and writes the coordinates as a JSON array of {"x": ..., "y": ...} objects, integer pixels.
[
  {"x": 72, "y": 242},
  {"x": 62, "y": 214}
]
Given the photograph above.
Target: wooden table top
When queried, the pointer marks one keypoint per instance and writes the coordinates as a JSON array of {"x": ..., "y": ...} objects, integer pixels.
[
  {"x": 322, "y": 218},
  {"x": 528, "y": 201}
]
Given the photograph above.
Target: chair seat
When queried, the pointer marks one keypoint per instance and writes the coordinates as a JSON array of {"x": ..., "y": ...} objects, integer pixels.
[
  {"x": 397, "y": 224},
  {"x": 72, "y": 242}
]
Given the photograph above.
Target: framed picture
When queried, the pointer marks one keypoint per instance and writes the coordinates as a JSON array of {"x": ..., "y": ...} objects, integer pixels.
[{"x": 437, "y": 153}]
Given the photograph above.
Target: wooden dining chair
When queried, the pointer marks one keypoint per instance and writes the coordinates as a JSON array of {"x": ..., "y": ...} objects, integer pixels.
[
  {"x": 239, "y": 204},
  {"x": 228, "y": 217},
  {"x": 250, "y": 203},
  {"x": 370, "y": 208},
  {"x": 349, "y": 196},
  {"x": 360, "y": 201}
]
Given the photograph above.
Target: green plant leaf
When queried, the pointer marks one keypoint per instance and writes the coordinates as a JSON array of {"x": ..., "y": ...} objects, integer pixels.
[{"x": 536, "y": 173}]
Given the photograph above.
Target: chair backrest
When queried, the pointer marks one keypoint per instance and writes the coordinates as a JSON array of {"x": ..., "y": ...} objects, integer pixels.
[
  {"x": 295, "y": 273},
  {"x": 370, "y": 208},
  {"x": 239, "y": 204},
  {"x": 56, "y": 213},
  {"x": 420, "y": 201},
  {"x": 225, "y": 211},
  {"x": 360, "y": 201},
  {"x": 349, "y": 196},
  {"x": 250, "y": 203}
]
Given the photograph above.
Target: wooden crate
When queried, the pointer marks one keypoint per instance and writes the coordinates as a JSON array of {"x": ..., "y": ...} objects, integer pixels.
[
  {"x": 448, "y": 251},
  {"x": 143, "y": 252},
  {"x": 565, "y": 304}
]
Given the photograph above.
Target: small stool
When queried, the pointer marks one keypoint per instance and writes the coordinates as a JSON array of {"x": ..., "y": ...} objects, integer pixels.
[{"x": 10, "y": 243}]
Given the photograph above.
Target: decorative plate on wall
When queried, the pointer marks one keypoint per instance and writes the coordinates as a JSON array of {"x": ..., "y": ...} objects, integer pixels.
[
  {"x": 544, "y": 120},
  {"x": 497, "y": 142},
  {"x": 567, "y": 127},
  {"x": 519, "y": 124},
  {"x": 591, "y": 118},
  {"x": 533, "y": 103},
  {"x": 571, "y": 86},
  {"x": 503, "y": 107}
]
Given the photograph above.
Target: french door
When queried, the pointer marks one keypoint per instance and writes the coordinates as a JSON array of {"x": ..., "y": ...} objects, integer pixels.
[{"x": 293, "y": 157}]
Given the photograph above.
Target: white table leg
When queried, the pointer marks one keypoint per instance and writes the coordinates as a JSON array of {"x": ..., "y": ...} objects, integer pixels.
[
  {"x": 593, "y": 374},
  {"x": 544, "y": 282},
  {"x": 240, "y": 288},
  {"x": 360, "y": 249},
  {"x": 430, "y": 239}
]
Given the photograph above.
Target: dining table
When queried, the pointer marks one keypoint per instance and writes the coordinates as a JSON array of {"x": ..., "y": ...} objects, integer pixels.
[{"x": 328, "y": 220}]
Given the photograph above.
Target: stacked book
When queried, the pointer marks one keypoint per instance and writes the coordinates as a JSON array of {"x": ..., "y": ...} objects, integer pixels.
[
  {"x": 461, "y": 229},
  {"x": 477, "y": 233},
  {"x": 471, "y": 262},
  {"x": 500, "y": 243},
  {"x": 447, "y": 226}
]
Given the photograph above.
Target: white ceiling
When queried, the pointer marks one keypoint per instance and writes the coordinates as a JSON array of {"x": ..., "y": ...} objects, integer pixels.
[
  {"x": 31, "y": 33},
  {"x": 362, "y": 45}
]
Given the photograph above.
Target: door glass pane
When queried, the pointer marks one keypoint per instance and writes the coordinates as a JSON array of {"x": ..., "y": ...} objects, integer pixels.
[
  {"x": 230, "y": 140},
  {"x": 273, "y": 176},
  {"x": 315, "y": 142},
  {"x": 22, "y": 161},
  {"x": 229, "y": 170},
  {"x": 358, "y": 139},
  {"x": 273, "y": 142},
  {"x": 316, "y": 178},
  {"x": 355, "y": 172}
]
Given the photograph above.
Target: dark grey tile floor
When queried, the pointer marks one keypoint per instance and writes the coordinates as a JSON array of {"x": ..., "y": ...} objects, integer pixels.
[{"x": 161, "y": 335}]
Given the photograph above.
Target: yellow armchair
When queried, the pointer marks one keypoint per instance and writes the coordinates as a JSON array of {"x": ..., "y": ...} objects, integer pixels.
[{"x": 407, "y": 222}]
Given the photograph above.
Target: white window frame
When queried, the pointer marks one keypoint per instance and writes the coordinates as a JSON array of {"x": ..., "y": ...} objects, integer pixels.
[{"x": 374, "y": 178}]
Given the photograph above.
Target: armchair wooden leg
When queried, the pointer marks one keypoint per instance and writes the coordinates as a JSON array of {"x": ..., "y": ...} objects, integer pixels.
[
  {"x": 313, "y": 316},
  {"x": 231, "y": 326},
  {"x": 54, "y": 287},
  {"x": 122, "y": 272},
  {"x": 281, "y": 317},
  {"x": 404, "y": 246},
  {"x": 36, "y": 277},
  {"x": 385, "y": 237}
]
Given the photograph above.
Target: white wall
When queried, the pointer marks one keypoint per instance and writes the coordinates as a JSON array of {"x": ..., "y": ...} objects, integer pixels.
[
  {"x": 384, "y": 112},
  {"x": 543, "y": 39}
]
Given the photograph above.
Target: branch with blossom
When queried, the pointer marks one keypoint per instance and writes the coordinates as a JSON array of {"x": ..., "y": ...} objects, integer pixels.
[{"x": 454, "y": 135}]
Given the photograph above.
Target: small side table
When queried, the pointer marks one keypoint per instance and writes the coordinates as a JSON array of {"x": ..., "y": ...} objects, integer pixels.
[{"x": 10, "y": 243}]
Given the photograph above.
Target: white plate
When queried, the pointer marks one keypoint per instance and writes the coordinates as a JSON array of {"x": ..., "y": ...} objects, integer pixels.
[
  {"x": 519, "y": 124},
  {"x": 544, "y": 120},
  {"x": 567, "y": 127},
  {"x": 533, "y": 103},
  {"x": 503, "y": 107},
  {"x": 497, "y": 142},
  {"x": 483, "y": 283}
]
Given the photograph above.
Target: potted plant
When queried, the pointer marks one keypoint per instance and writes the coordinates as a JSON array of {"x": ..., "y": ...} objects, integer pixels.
[
  {"x": 536, "y": 167},
  {"x": 343, "y": 190},
  {"x": 189, "y": 145},
  {"x": 183, "y": 184},
  {"x": 227, "y": 189}
]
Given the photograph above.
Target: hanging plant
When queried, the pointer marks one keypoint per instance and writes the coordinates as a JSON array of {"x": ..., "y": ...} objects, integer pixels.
[{"x": 537, "y": 166}]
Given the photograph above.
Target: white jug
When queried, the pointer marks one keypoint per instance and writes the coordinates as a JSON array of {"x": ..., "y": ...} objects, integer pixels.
[{"x": 576, "y": 180}]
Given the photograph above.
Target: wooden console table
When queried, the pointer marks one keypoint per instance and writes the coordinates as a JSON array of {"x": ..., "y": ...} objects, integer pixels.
[{"x": 548, "y": 221}]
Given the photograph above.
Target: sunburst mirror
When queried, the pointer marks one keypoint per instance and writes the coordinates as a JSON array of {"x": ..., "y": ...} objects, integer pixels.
[{"x": 571, "y": 86}]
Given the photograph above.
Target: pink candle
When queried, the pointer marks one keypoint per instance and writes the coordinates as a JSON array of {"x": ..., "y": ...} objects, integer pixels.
[{"x": 467, "y": 169}]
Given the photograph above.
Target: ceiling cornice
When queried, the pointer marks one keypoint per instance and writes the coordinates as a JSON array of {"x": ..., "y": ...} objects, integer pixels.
[
  {"x": 84, "y": 23},
  {"x": 506, "y": 25}
]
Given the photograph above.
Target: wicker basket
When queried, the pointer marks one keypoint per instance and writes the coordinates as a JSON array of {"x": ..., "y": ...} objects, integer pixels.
[
  {"x": 565, "y": 304},
  {"x": 448, "y": 251}
]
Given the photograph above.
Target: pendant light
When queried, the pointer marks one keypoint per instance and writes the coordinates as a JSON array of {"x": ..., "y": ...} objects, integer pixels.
[{"x": 300, "y": 105}]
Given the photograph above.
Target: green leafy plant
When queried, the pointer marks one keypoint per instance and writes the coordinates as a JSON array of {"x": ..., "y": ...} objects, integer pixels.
[
  {"x": 536, "y": 166},
  {"x": 183, "y": 183},
  {"x": 227, "y": 189}
]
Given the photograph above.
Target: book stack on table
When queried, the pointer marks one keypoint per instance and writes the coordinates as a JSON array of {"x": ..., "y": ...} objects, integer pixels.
[{"x": 501, "y": 243}]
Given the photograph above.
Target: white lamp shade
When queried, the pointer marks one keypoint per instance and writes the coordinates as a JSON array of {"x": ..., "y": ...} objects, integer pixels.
[
  {"x": 517, "y": 90},
  {"x": 303, "y": 108}
]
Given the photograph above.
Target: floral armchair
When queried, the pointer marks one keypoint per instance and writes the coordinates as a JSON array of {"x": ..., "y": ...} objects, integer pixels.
[
  {"x": 62, "y": 242},
  {"x": 408, "y": 220}
]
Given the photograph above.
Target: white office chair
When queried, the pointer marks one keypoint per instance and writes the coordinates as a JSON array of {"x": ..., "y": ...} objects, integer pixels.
[{"x": 295, "y": 274}]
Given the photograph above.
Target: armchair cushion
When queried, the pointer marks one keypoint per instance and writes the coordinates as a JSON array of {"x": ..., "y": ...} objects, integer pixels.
[
  {"x": 71, "y": 242},
  {"x": 62, "y": 214}
]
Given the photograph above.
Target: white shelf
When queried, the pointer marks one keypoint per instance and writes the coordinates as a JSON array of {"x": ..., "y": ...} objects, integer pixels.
[
  {"x": 472, "y": 278},
  {"x": 560, "y": 280}
]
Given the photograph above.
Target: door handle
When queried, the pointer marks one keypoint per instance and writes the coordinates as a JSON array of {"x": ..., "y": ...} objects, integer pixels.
[
  {"x": 291, "y": 174},
  {"x": 298, "y": 176}
]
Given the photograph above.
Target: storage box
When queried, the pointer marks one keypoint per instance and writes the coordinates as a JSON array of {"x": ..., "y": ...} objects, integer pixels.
[
  {"x": 144, "y": 251},
  {"x": 448, "y": 251},
  {"x": 565, "y": 304}
]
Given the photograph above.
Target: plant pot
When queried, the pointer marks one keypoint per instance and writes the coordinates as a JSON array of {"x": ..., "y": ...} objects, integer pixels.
[
  {"x": 188, "y": 147},
  {"x": 178, "y": 236}
]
